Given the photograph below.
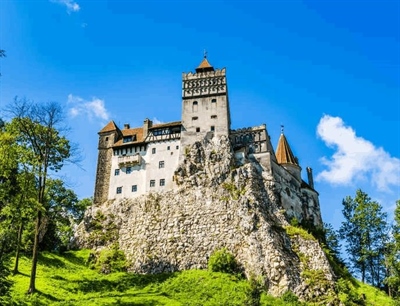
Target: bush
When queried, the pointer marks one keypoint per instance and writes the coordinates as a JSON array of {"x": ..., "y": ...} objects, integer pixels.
[
  {"x": 290, "y": 298},
  {"x": 111, "y": 260},
  {"x": 223, "y": 261}
]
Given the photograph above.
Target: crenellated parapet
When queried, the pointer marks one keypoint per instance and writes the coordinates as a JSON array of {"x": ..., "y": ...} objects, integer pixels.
[{"x": 204, "y": 83}]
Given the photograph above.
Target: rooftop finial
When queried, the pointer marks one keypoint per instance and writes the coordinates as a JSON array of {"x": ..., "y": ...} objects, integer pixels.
[
  {"x": 282, "y": 128},
  {"x": 205, "y": 53}
]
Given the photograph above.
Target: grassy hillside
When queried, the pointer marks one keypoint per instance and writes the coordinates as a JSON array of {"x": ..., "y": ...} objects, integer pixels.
[{"x": 66, "y": 280}]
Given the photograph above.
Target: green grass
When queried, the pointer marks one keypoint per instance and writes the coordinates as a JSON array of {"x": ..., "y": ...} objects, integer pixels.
[{"x": 67, "y": 280}]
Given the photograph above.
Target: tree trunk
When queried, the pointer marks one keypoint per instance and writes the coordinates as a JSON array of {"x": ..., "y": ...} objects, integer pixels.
[
  {"x": 15, "y": 271},
  {"x": 32, "y": 287}
]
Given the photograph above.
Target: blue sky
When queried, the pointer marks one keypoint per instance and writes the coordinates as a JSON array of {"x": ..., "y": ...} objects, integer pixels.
[{"x": 328, "y": 70}]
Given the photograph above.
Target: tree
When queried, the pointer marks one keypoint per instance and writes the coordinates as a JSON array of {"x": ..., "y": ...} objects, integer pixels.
[
  {"x": 365, "y": 233},
  {"x": 38, "y": 128},
  {"x": 392, "y": 259}
]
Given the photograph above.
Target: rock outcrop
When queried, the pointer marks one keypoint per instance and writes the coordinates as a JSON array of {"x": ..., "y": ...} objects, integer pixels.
[{"x": 219, "y": 202}]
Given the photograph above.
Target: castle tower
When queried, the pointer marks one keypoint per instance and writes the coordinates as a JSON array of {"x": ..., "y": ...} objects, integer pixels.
[
  {"x": 286, "y": 159},
  {"x": 107, "y": 137},
  {"x": 205, "y": 105}
]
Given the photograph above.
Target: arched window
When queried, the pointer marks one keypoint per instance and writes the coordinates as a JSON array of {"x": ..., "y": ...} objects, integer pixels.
[
  {"x": 195, "y": 106},
  {"x": 213, "y": 103}
]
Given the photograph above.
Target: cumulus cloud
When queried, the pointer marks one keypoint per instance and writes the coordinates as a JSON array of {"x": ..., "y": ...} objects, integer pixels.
[
  {"x": 71, "y": 5},
  {"x": 355, "y": 158},
  {"x": 93, "y": 108}
]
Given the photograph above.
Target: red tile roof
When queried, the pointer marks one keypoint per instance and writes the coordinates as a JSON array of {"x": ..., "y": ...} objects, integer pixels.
[
  {"x": 111, "y": 126},
  {"x": 284, "y": 154}
]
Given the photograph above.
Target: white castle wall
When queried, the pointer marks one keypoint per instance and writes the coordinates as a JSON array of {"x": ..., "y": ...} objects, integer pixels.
[{"x": 148, "y": 169}]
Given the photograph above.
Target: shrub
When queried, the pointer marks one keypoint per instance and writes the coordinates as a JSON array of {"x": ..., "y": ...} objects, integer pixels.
[
  {"x": 223, "y": 261},
  {"x": 290, "y": 298},
  {"x": 111, "y": 260}
]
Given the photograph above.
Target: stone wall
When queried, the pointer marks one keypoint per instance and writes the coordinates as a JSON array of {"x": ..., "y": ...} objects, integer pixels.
[{"x": 218, "y": 203}]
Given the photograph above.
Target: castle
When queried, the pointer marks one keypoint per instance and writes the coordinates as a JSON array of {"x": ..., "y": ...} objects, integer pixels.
[{"x": 140, "y": 160}]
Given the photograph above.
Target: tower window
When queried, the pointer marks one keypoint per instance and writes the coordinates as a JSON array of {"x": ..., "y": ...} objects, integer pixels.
[
  {"x": 195, "y": 106},
  {"x": 119, "y": 190},
  {"x": 153, "y": 151},
  {"x": 106, "y": 138},
  {"x": 197, "y": 130},
  {"x": 195, "y": 118},
  {"x": 162, "y": 182},
  {"x": 152, "y": 183},
  {"x": 128, "y": 170},
  {"x": 212, "y": 128},
  {"x": 214, "y": 117},
  {"x": 168, "y": 148},
  {"x": 161, "y": 164},
  {"x": 214, "y": 103},
  {"x": 177, "y": 147},
  {"x": 116, "y": 172},
  {"x": 134, "y": 188}
]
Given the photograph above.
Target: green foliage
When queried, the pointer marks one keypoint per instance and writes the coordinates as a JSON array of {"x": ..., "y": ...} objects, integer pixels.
[
  {"x": 290, "y": 298},
  {"x": 234, "y": 191},
  {"x": 223, "y": 261},
  {"x": 103, "y": 230},
  {"x": 5, "y": 281},
  {"x": 111, "y": 260},
  {"x": 365, "y": 232},
  {"x": 294, "y": 230}
]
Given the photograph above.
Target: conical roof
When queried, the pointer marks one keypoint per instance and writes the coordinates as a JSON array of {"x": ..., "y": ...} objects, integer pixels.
[
  {"x": 111, "y": 126},
  {"x": 284, "y": 154},
  {"x": 204, "y": 66}
]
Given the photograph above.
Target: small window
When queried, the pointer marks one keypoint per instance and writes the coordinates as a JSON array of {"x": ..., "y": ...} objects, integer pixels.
[
  {"x": 168, "y": 148},
  {"x": 195, "y": 118},
  {"x": 134, "y": 188},
  {"x": 197, "y": 129},
  {"x": 195, "y": 106},
  {"x": 162, "y": 182},
  {"x": 214, "y": 117},
  {"x": 214, "y": 101},
  {"x": 177, "y": 147},
  {"x": 116, "y": 172},
  {"x": 106, "y": 138},
  {"x": 128, "y": 170},
  {"x": 212, "y": 128},
  {"x": 152, "y": 183},
  {"x": 127, "y": 139},
  {"x": 153, "y": 150},
  {"x": 119, "y": 190},
  {"x": 161, "y": 164}
]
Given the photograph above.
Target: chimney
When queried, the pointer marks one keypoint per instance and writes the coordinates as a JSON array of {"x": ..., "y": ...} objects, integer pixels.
[
  {"x": 310, "y": 177},
  {"x": 146, "y": 125},
  {"x": 127, "y": 126}
]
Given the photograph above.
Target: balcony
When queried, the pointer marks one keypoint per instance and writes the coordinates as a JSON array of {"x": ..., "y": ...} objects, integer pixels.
[{"x": 129, "y": 160}]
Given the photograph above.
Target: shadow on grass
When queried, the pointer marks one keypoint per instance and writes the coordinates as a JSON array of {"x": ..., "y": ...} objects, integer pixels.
[
  {"x": 123, "y": 283},
  {"x": 47, "y": 296},
  {"x": 49, "y": 260},
  {"x": 72, "y": 258}
]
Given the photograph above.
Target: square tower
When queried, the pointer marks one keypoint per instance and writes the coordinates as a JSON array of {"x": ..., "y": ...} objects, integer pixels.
[{"x": 205, "y": 105}]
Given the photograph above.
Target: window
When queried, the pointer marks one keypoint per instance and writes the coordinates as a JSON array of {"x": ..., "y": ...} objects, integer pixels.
[
  {"x": 106, "y": 138},
  {"x": 128, "y": 170},
  {"x": 134, "y": 188},
  {"x": 214, "y": 117},
  {"x": 127, "y": 139},
  {"x": 153, "y": 150},
  {"x": 197, "y": 129},
  {"x": 214, "y": 103},
  {"x": 119, "y": 190},
  {"x": 116, "y": 172},
  {"x": 152, "y": 183},
  {"x": 212, "y": 128},
  {"x": 161, "y": 164},
  {"x": 195, "y": 118},
  {"x": 168, "y": 148},
  {"x": 195, "y": 106},
  {"x": 162, "y": 182},
  {"x": 177, "y": 147}
]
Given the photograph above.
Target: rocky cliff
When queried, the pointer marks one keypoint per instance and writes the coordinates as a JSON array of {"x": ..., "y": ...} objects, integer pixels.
[{"x": 219, "y": 202}]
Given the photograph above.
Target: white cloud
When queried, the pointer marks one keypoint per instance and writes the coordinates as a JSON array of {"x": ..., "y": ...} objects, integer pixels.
[
  {"x": 355, "y": 158},
  {"x": 91, "y": 108},
  {"x": 71, "y": 5},
  {"x": 156, "y": 121}
]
